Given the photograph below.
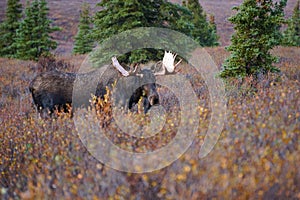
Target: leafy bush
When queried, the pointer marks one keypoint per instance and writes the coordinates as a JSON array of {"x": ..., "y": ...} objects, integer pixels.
[{"x": 257, "y": 155}]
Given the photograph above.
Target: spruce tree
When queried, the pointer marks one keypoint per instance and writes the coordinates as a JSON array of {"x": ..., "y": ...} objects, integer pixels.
[
  {"x": 33, "y": 36},
  {"x": 83, "y": 42},
  {"x": 176, "y": 17},
  {"x": 291, "y": 36},
  {"x": 9, "y": 26},
  {"x": 203, "y": 32},
  {"x": 118, "y": 16},
  {"x": 256, "y": 25}
]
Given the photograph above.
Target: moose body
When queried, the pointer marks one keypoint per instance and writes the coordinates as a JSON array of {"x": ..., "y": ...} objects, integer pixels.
[{"x": 54, "y": 89}]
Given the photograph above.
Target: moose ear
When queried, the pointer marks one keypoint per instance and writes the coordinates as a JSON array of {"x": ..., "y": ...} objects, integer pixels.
[{"x": 117, "y": 65}]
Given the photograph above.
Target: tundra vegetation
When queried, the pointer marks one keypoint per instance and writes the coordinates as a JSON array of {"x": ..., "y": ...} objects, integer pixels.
[{"x": 256, "y": 156}]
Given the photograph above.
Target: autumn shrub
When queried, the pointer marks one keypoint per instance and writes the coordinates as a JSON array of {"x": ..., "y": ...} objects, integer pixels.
[{"x": 256, "y": 156}]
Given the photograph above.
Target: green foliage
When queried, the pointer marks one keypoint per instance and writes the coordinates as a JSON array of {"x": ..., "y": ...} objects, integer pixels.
[
  {"x": 9, "y": 26},
  {"x": 33, "y": 36},
  {"x": 204, "y": 32},
  {"x": 291, "y": 36},
  {"x": 176, "y": 17},
  {"x": 118, "y": 16},
  {"x": 256, "y": 25},
  {"x": 83, "y": 42}
]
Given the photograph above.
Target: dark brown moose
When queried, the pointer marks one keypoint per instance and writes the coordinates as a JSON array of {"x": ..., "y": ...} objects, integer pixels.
[{"x": 54, "y": 89}]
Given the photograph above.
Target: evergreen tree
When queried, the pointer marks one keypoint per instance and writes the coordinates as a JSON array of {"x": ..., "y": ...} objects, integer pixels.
[
  {"x": 203, "y": 32},
  {"x": 176, "y": 17},
  {"x": 9, "y": 26},
  {"x": 291, "y": 36},
  {"x": 118, "y": 16},
  {"x": 33, "y": 36},
  {"x": 256, "y": 25},
  {"x": 83, "y": 41}
]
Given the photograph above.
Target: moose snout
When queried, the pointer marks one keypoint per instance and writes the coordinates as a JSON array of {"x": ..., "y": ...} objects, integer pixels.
[{"x": 153, "y": 99}]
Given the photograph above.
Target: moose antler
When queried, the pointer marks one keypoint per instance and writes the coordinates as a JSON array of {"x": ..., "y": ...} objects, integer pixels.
[
  {"x": 133, "y": 70},
  {"x": 116, "y": 64},
  {"x": 168, "y": 63},
  {"x": 119, "y": 67}
]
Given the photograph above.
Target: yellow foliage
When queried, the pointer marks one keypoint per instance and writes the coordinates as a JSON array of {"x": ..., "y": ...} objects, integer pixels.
[{"x": 257, "y": 154}]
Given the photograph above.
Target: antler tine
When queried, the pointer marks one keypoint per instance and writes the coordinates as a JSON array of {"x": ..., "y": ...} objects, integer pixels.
[
  {"x": 132, "y": 71},
  {"x": 117, "y": 65},
  {"x": 162, "y": 71},
  {"x": 135, "y": 71},
  {"x": 168, "y": 61},
  {"x": 178, "y": 63},
  {"x": 155, "y": 66}
]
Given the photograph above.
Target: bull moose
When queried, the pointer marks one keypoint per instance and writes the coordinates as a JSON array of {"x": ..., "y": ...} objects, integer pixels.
[{"x": 54, "y": 89}]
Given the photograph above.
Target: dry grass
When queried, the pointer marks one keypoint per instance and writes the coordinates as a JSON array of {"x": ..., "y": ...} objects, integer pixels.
[{"x": 257, "y": 155}]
